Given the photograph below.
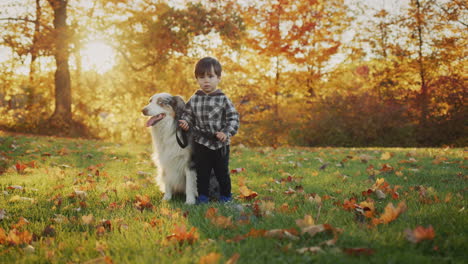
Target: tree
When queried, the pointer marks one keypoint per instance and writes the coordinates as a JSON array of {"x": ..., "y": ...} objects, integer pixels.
[
  {"x": 62, "y": 115},
  {"x": 296, "y": 35}
]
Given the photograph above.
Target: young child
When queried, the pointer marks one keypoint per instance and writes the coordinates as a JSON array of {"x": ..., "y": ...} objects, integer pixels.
[{"x": 213, "y": 119}]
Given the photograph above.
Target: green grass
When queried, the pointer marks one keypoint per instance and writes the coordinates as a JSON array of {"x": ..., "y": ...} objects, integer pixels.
[{"x": 62, "y": 166}]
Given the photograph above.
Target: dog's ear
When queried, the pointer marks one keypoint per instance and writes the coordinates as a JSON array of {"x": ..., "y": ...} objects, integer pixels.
[{"x": 178, "y": 105}]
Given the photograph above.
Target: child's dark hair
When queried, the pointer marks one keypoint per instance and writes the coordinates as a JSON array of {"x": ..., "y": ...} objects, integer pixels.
[{"x": 204, "y": 66}]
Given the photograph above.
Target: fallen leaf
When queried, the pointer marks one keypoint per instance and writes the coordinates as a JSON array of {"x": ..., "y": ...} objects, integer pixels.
[
  {"x": 233, "y": 259},
  {"x": 380, "y": 194},
  {"x": 266, "y": 208},
  {"x": 180, "y": 235},
  {"x": 390, "y": 213},
  {"x": 306, "y": 222},
  {"x": 218, "y": 220},
  {"x": 142, "y": 202},
  {"x": 386, "y": 156},
  {"x": 358, "y": 251},
  {"x": 386, "y": 168},
  {"x": 20, "y": 167},
  {"x": 368, "y": 208},
  {"x": 246, "y": 193},
  {"x": 15, "y": 187},
  {"x": 88, "y": 219},
  {"x": 310, "y": 249},
  {"x": 237, "y": 170},
  {"x": 16, "y": 237},
  {"x": 420, "y": 233},
  {"x": 49, "y": 231},
  {"x": 211, "y": 258},
  {"x": 315, "y": 198},
  {"x": 81, "y": 195},
  {"x": 313, "y": 230},
  {"x": 281, "y": 233}
]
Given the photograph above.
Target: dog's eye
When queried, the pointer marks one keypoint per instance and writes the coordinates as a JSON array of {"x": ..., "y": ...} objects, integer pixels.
[
  {"x": 163, "y": 102},
  {"x": 160, "y": 101}
]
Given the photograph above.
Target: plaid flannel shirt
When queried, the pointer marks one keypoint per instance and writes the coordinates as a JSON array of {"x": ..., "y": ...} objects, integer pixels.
[{"x": 207, "y": 114}]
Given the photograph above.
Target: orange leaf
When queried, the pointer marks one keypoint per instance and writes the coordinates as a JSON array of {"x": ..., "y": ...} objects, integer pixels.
[
  {"x": 3, "y": 236},
  {"x": 180, "y": 234},
  {"x": 246, "y": 193},
  {"x": 143, "y": 202},
  {"x": 218, "y": 220},
  {"x": 390, "y": 213},
  {"x": 211, "y": 258},
  {"x": 233, "y": 259},
  {"x": 349, "y": 204},
  {"x": 16, "y": 237},
  {"x": 368, "y": 208},
  {"x": 420, "y": 233}
]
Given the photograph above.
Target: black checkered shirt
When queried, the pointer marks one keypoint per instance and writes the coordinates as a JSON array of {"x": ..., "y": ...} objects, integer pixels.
[{"x": 211, "y": 113}]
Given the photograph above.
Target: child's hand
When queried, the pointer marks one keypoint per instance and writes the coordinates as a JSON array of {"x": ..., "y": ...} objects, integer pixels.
[
  {"x": 221, "y": 136},
  {"x": 184, "y": 125}
]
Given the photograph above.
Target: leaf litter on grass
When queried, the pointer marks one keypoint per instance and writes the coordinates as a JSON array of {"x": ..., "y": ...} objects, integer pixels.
[{"x": 367, "y": 186}]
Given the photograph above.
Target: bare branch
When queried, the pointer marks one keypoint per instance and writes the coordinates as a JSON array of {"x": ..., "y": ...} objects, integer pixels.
[
  {"x": 25, "y": 20},
  {"x": 448, "y": 13}
]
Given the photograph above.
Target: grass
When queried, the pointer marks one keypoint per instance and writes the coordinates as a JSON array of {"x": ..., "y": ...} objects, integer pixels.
[{"x": 66, "y": 179}]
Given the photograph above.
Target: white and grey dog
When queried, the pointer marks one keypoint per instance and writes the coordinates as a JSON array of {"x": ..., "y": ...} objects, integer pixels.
[{"x": 175, "y": 170}]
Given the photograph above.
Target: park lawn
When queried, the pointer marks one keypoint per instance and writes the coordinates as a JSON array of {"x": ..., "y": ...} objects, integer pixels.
[{"x": 84, "y": 201}]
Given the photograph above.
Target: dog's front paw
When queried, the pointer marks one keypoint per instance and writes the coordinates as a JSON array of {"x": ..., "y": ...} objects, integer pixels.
[
  {"x": 167, "y": 197},
  {"x": 190, "y": 200}
]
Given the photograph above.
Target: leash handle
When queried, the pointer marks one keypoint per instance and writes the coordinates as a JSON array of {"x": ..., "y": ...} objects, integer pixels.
[{"x": 184, "y": 141}]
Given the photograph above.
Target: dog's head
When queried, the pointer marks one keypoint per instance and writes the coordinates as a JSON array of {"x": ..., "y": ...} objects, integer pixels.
[{"x": 161, "y": 106}]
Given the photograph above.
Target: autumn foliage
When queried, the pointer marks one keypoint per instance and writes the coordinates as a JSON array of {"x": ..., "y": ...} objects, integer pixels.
[{"x": 311, "y": 73}]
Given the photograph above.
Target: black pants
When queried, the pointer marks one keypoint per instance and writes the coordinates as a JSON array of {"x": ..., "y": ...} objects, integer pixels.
[{"x": 206, "y": 160}]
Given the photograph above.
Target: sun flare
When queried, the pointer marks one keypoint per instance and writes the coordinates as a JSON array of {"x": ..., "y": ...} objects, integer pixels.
[{"x": 97, "y": 56}]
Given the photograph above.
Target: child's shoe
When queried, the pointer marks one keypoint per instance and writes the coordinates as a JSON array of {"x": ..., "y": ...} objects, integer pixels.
[
  {"x": 225, "y": 199},
  {"x": 202, "y": 199}
]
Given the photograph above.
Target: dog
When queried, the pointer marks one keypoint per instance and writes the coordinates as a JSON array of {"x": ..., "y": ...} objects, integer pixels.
[{"x": 176, "y": 173}]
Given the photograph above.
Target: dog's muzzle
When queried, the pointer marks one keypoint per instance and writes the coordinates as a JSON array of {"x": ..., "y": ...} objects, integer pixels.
[{"x": 154, "y": 119}]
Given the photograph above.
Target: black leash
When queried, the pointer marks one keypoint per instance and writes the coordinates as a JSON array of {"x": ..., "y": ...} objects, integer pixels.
[{"x": 184, "y": 141}]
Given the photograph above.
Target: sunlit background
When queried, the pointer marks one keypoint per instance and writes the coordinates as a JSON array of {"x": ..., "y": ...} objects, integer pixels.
[
  {"x": 98, "y": 56},
  {"x": 309, "y": 72}
]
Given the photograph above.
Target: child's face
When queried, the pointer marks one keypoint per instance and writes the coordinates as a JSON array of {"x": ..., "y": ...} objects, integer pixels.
[{"x": 209, "y": 81}]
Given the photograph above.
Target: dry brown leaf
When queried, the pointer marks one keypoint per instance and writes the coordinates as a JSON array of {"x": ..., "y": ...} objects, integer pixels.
[
  {"x": 88, "y": 219},
  {"x": 281, "y": 233},
  {"x": 310, "y": 249},
  {"x": 313, "y": 230}
]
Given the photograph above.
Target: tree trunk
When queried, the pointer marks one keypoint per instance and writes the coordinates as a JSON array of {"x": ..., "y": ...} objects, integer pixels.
[
  {"x": 62, "y": 114},
  {"x": 423, "y": 96},
  {"x": 34, "y": 48}
]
